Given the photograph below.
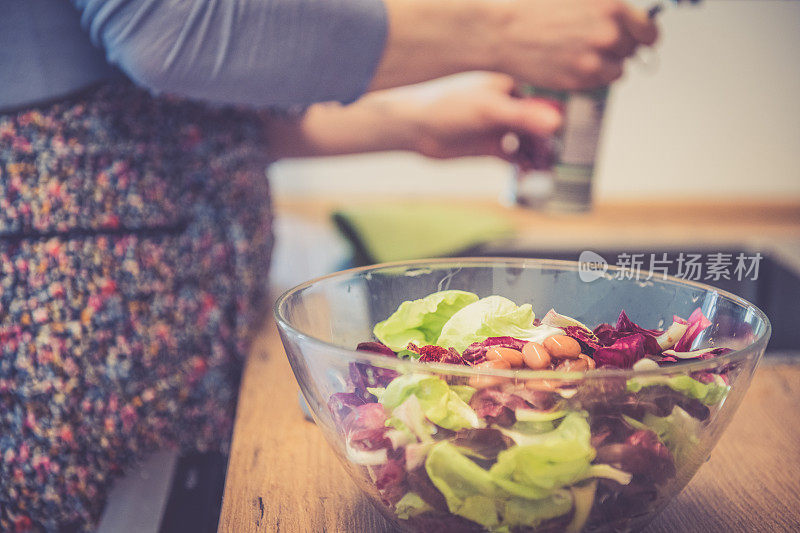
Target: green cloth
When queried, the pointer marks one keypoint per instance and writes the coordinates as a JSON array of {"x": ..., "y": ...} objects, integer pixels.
[{"x": 401, "y": 231}]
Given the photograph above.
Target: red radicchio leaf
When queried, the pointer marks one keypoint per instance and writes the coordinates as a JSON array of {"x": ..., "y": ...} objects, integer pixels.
[
  {"x": 642, "y": 455},
  {"x": 609, "y": 336},
  {"x": 363, "y": 375},
  {"x": 439, "y": 354},
  {"x": 342, "y": 404},
  {"x": 588, "y": 341},
  {"x": 375, "y": 347},
  {"x": 486, "y": 442},
  {"x": 697, "y": 323},
  {"x": 669, "y": 357},
  {"x": 476, "y": 352},
  {"x": 606, "y": 334},
  {"x": 609, "y": 429},
  {"x": 419, "y": 482},
  {"x": 498, "y": 407},
  {"x": 365, "y": 427},
  {"x": 661, "y": 465},
  {"x": 664, "y": 359},
  {"x": 625, "y": 324},
  {"x": 703, "y": 377},
  {"x": 390, "y": 480},
  {"x": 624, "y": 352}
]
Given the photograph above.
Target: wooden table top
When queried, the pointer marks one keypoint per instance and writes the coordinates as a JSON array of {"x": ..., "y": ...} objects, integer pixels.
[{"x": 282, "y": 476}]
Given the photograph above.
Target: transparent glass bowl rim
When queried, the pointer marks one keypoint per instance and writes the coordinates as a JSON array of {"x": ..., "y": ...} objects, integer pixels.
[{"x": 403, "y": 365}]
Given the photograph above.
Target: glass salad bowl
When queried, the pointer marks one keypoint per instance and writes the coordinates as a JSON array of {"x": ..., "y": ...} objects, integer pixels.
[{"x": 460, "y": 447}]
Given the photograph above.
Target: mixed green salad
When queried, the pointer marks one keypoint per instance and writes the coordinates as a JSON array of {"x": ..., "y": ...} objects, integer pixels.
[{"x": 454, "y": 453}]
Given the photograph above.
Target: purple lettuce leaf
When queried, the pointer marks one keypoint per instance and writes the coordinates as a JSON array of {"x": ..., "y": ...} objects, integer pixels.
[
  {"x": 624, "y": 352},
  {"x": 419, "y": 482},
  {"x": 375, "y": 347},
  {"x": 642, "y": 454},
  {"x": 700, "y": 355},
  {"x": 613, "y": 502},
  {"x": 363, "y": 375},
  {"x": 660, "y": 400},
  {"x": 390, "y": 480},
  {"x": 588, "y": 340},
  {"x": 697, "y": 323},
  {"x": 342, "y": 404},
  {"x": 628, "y": 343},
  {"x": 609, "y": 430},
  {"x": 438, "y": 354},
  {"x": 498, "y": 406},
  {"x": 365, "y": 427},
  {"x": 606, "y": 334},
  {"x": 484, "y": 442},
  {"x": 624, "y": 324}
]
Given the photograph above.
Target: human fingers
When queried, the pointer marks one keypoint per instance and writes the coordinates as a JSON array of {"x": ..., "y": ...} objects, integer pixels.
[
  {"x": 623, "y": 44},
  {"x": 524, "y": 115},
  {"x": 638, "y": 24},
  {"x": 595, "y": 69}
]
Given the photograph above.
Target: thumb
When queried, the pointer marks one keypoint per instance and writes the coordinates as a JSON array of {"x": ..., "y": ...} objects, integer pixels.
[{"x": 526, "y": 116}]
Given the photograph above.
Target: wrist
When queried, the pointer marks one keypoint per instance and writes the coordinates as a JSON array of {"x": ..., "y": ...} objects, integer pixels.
[
  {"x": 471, "y": 35},
  {"x": 396, "y": 122},
  {"x": 429, "y": 39},
  {"x": 487, "y": 34}
]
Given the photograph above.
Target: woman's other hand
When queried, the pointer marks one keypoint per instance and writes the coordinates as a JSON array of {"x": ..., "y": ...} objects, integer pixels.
[
  {"x": 464, "y": 115},
  {"x": 556, "y": 44},
  {"x": 475, "y": 116}
]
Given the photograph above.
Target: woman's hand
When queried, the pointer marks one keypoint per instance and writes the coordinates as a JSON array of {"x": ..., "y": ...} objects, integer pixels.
[
  {"x": 465, "y": 115},
  {"x": 571, "y": 44},
  {"x": 557, "y": 44},
  {"x": 475, "y": 116}
]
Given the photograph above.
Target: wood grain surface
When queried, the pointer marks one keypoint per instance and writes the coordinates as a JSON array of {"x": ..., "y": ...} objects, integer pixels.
[{"x": 283, "y": 477}]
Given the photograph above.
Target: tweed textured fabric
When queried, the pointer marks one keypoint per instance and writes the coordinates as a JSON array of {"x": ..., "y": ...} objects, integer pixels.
[{"x": 135, "y": 236}]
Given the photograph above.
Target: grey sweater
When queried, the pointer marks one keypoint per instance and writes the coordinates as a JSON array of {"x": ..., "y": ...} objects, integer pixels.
[{"x": 259, "y": 53}]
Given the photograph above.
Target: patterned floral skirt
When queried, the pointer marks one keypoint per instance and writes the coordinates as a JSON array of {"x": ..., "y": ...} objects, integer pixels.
[{"x": 135, "y": 236}]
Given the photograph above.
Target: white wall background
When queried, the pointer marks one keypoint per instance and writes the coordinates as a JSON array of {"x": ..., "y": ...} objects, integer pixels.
[{"x": 717, "y": 113}]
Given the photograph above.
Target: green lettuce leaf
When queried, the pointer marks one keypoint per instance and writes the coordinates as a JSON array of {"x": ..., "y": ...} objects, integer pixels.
[
  {"x": 679, "y": 431},
  {"x": 440, "y": 404},
  {"x": 708, "y": 393},
  {"x": 546, "y": 461},
  {"x": 408, "y": 354},
  {"x": 493, "y": 316},
  {"x": 535, "y": 415},
  {"x": 529, "y": 482},
  {"x": 521, "y": 512},
  {"x": 467, "y": 488},
  {"x": 409, "y": 417},
  {"x": 608, "y": 472},
  {"x": 420, "y": 321},
  {"x": 411, "y": 504},
  {"x": 471, "y": 492},
  {"x": 464, "y": 392},
  {"x": 376, "y": 391},
  {"x": 533, "y": 421}
]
